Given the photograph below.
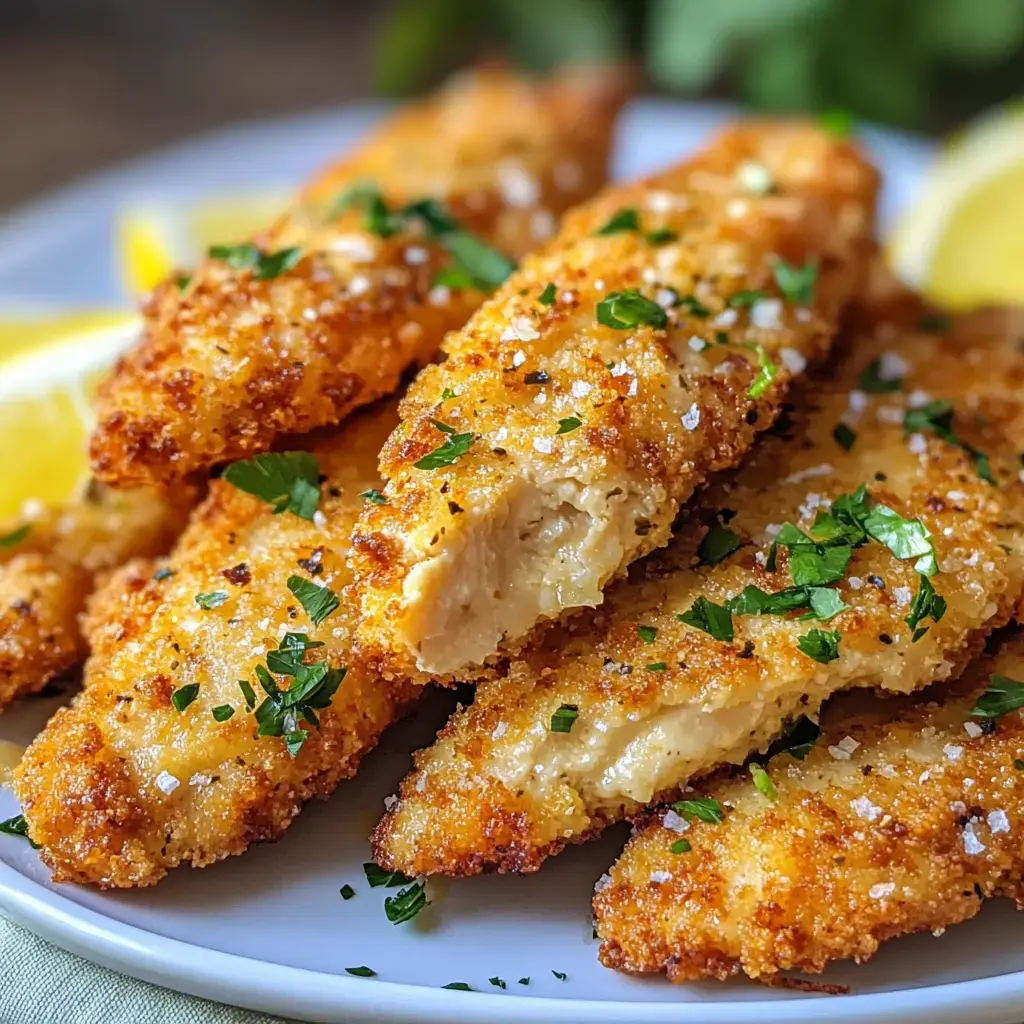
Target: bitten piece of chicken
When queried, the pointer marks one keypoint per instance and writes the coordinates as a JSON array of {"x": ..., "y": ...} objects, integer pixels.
[
  {"x": 892, "y": 824},
  {"x": 122, "y": 785},
  {"x": 646, "y": 346},
  {"x": 48, "y": 568},
  {"x": 243, "y": 354},
  {"x": 657, "y": 701}
]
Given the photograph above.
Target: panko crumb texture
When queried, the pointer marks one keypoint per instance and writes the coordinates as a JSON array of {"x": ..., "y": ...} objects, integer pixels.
[
  {"x": 50, "y": 564},
  {"x": 899, "y": 820},
  {"x": 646, "y": 346},
  {"x": 233, "y": 357},
  {"x": 122, "y": 785},
  {"x": 655, "y": 701}
]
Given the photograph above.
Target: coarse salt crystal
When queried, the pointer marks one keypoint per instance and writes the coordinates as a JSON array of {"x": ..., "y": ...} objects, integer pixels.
[
  {"x": 359, "y": 284},
  {"x": 520, "y": 329},
  {"x": 754, "y": 177},
  {"x": 696, "y": 344},
  {"x": 390, "y": 801},
  {"x": 855, "y": 582},
  {"x": 857, "y": 401},
  {"x": 972, "y": 844},
  {"x": 167, "y": 783},
  {"x": 674, "y": 822},
  {"x": 660, "y": 876},
  {"x": 737, "y": 209},
  {"x": 848, "y": 743},
  {"x": 998, "y": 821},
  {"x": 691, "y": 417},
  {"x": 519, "y": 358},
  {"x": 499, "y": 730},
  {"x": 603, "y": 882},
  {"x": 319, "y": 519},
  {"x": 889, "y": 414},
  {"x": 518, "y": 187},
  {"x": 866, "y": 809},
  {"x": 421, "y": 783},
  {"x": 580, "y": 389},
  {"x": 766, "y": 314},
  {"x": 542, "y": 224},
  {"x": 792, "y": 360},
  {"x": 892, "y": 366},
  {"x": 355, "y": 247},
  {"x": 918, "y": 399},
  {"x": 839, "y": 754},
  {"x": 543, "y": 445},
  {"x": 973, "y": 730},
  {"x": 956, "y": 495},
  {"x": 727, "y": 318},
  {"x": 823, "y": 469},
  {"x": 953, "y": 751},
  {"x": 415, "y": 254},
  {"x": 666, "y": 297},
  {"x": 903, "y": 596},
  {"x": 439, "y": 295},
  {"x": 917, "y": 444},
  {"x": 660, "y": 202},
  {"x": 881, "y": 889}
]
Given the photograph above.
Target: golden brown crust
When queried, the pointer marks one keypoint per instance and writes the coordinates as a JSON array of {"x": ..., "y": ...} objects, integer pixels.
[
  {"x": 500, "y": 791},
  {"x": 232, "y": 362},
  {"x": 47, "y": 575},
  {"x": 656, "y": 413},
  {"x": 120, "y": 786},
  {"x": 908, "y": 833}
]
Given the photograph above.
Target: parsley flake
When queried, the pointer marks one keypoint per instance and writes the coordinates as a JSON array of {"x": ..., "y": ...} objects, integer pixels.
[
  {"x": 717, "y": 544},
  {"x": 569, "y": 424},
  {"x": 711, "y": 618},
  {"x": 823, "y": 602},
  {"x": 926, "y": 605},
  {"x": 564, "y": 717},
  {"x": 844, "y": 435},
  {"x": 406, "y": 905},
  {"x": 657, "y": 666},
  {"x": 937, "y": 417},
  {"x": 290, "y": 481},
  {"x": 264, "y": 265},
  {"x": 837, "y": 122},
  {"x": 455, "y": 445},
  {"x": 681, "y": 846},
  {"x": 762, "y": 783},
  {"x": 248, "y": 693},
  {"x": 361, "y": 972},
  {"x": 744, "y": 299},
  {"x": 691, "y": 305},
  {"x": 347, "y": 892},
  {"x": 373, "y": 496},
  {"x": 319, "y": 602},
  {"x": 182, "y": 697},
  {"x": 222, "y": 712},
  {"x": 872, "y": 382},
  {"x": 797, "y": 740},
  {"x": 796, "y": 283},
  {"x": 497, "y": 982},
  {"x": 378, "y": 876},
  {"x": 214, "y": 599},
  {"x": 162, "y": 574},
  {"x": 661, "y": 236},
  {"x": 458, "y": 986},
  {"x": 560, "y": 975},
  {"x": 548, "y": 295},
  {"x": 623, "y": 220},
  {"x": 934, "y": 323},
  {"x": 8, "y": 540},
  {"x": 820, "y": 644},
  {"x": 1002, "y": 696},
  {"x": 524, "y": 981},
  {"x": 647, "y": 633},
  {"x": 1018, "y": 764},
  {"x": 18, "y": 826},
  {"x": 812, "y": 562},
  {"x": 767, "y": 373},
  {"x": 703, "y": 808},
  {"x": 626, "y": 309}
]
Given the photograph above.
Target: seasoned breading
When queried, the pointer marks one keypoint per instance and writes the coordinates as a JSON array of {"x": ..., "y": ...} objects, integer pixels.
[
  {"x": 48, "y": 569},
  {"x": 660, "y": 701},
  {"x": 584, "y": 420},
  {"x": 888, "y": 827},
  {"x": 242, "y": 355},
  {"x": 122, "y": 785}
]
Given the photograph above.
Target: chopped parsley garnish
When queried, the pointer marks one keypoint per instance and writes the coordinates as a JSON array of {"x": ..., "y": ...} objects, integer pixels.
[
  {"x": 290, "y": 481},
  {"x": 569, "y": 424},
  {"x": 548, "y": 295},
  {"x": 182, "y": 697},
  {"x": 183, "y": 281},
  {"x": 820, "y": 644},
  {"x": 560, "y": 975},
  {"x": 657, "y": 666},
  {"x": 1018, "y": 763},
  {"x": 647, "y": 633},
  {"x": 626, "y": 309},
  {"x": 365, "y": 195},
  {"x": 745, "y": 298},
  {"x": 796, "y": 283},
  {"x": 711, "y": 618},
  {"x": 17, "y": 826},
  {"x": 823, "y": 602},
  {"x": 361, "y": 972},
  {"x": 319, "y": 602},
  {"x": 762, "y": 783},
  {"x": 837, "y": 122},
  {"x": 524, "y": 981},
  {"x": 926, "y": 605},
  {"x": 373, "y": 496},
  {"x": 497, "y": 982},
  {"x": 797, "y": 740},
  {"x": 406, "y": 905},
  {"x": 765, "y": 375},
  {"x": 378, "y": 876},
  {"x": 704, "y": 808},
  {"x": 454, "y": 446},
  {"x": 289, "y": 656},
  {"x": 162, "y": 574},
  {"x": 264, "y": 265},
  {"x": 934, "y": 323},
  {"x": 8, "y": 540},
  {"x": 691, "y": 305},
  {"x": 564, "y": 717},
  {"x": 623, "y": 220},
  {"x": 458, "y": 986},
  {"x": 222, "y": 712},
  {"x": 872, "y": 381},
  {"x": 812, "y": 562},
  {"x": 1002, "y": 696},
  {"x": 347, "y": 892},
  {"x": 661, "y": 236},
  {"x": 937, "y": 417},
  {"x": 447, "y": 393},
  {"x": 844, "y": 435},
  {"x": 717, "y": 544},
  {"x": 681, "y": 846},
  {"x": 214, "y": 599},
  {"x": 248, "y": 693}
]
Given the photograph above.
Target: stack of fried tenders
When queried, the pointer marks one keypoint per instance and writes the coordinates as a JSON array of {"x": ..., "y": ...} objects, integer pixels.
[{"x": 677, "y": 477}]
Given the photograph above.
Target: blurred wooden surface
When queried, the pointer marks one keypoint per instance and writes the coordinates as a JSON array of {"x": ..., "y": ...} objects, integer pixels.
[{"x": 84, "y": 84}]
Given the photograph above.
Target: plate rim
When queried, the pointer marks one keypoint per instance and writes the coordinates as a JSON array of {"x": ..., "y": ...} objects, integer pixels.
[{"x": 264, "y": 986}]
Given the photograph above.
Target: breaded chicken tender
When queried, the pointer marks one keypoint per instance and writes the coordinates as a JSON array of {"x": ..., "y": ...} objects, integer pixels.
[
  {"x": 892, "y": 824},
  {"x": 159, "y": 760},
  {"x": 802, "y": 575},
  {"x": 324, "y": 311},
  {"x": 646, "y": 346},
  {"x": 49, "y": 561}
]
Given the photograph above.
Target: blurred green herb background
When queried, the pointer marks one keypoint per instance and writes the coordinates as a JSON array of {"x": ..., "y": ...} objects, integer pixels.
[{"x": 924, "y": 64}]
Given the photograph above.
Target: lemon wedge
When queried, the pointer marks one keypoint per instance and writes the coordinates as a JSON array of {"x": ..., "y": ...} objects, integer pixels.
[
  {"x": 46, "y": 412},
  {"x": 962, "y": 242},
  {"x": 154, "y": 239}
]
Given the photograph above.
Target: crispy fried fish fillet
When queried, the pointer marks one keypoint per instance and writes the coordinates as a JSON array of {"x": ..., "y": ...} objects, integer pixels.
[
  {"x": 586, "y": 420},
  {"x": 48, "y": 569},
  {"x": 660, "y": 701},
  {"x": 243, "y": 355},
  {"x": 888, "y": 827},
  {"x": 122, "y": 786}
]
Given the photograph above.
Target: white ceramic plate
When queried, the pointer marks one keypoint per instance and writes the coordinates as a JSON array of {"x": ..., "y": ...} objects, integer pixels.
[{"x": 270, "y": 930}]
